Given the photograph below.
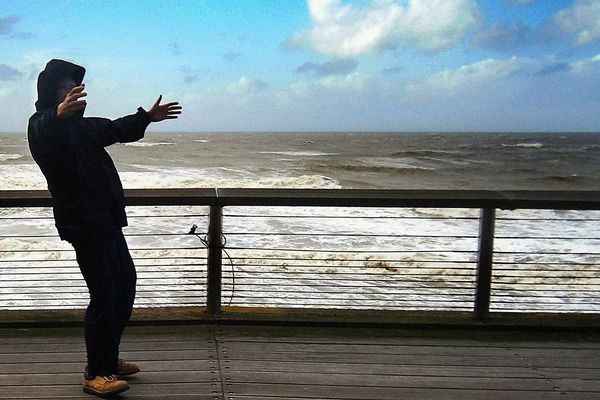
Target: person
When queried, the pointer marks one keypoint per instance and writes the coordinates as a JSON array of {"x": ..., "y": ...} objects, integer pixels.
[{"x": 89, "y": 208}]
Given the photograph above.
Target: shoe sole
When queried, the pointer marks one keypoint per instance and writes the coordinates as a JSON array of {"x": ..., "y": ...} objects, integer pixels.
[{"x": 89, "y": 390}]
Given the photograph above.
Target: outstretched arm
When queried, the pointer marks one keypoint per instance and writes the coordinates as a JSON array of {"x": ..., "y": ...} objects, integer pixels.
[{"x": 160, "y": 112}]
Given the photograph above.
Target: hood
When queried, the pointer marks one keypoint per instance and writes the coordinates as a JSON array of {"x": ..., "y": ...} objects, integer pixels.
[{"x": 49, "y": 77}]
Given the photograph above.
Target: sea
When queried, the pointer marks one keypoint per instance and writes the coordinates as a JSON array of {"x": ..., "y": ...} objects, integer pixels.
[
  {"x": 427, "y": 256},
  {"x": 360, "y": 160}
]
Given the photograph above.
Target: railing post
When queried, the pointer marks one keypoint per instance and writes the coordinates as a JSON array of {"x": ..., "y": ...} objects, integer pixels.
[
  {"x": 215, "y": 249},
  {"x": 485, "y": 260}
]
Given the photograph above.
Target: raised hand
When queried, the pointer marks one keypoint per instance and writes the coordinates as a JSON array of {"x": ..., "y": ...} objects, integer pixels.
[
  {"x": 159, "y": 112},
  {"x": 71, "y": 104}
]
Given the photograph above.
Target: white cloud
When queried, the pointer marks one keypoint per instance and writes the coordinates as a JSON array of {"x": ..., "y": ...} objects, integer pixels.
[
  {"x": 345, "y": 30},
  {"x": 354, "y": 81},
  {"x": 585, "y": 65},
  {"x": 468, "y": 76},
  {"x": 246, "y": 85},
  {"x": 582, "y": 19}
]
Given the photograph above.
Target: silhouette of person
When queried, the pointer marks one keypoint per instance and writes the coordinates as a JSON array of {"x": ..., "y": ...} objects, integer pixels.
[{"x": 89, "y": 208}]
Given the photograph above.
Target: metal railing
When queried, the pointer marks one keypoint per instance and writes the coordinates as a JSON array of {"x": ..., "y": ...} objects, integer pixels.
[{"x": 481, "y": 251}]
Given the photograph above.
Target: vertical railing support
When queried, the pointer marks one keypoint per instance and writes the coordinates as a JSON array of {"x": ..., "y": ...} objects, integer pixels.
[
  {"x": 485, "y": 261},
  {"x": 215, "y": 256}
]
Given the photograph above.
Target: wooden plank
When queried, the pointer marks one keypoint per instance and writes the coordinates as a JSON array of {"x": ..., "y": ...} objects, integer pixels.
[
  {"x": 384, "y": 369},
  {"x": 287, "y": 391},
  {"x": 51, "y": 378},
  {"x": 359, "y": 349},
  {"x": 397, "y": 381},
  {"x": 76, "y": 367},
  {"x": 74, "y": 390}
]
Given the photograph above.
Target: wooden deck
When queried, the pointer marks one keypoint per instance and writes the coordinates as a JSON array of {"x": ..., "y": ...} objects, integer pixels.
[{"x": 262, "y": 362}]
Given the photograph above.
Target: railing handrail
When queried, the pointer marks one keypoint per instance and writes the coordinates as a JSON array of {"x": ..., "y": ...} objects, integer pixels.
[{"x": 500, "y": 199}]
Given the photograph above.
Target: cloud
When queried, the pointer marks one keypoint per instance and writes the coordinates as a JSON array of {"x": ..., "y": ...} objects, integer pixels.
[
  {"x": 246, "y": 85},
  {"x": 335, "y": 67},
  {"x": 471, "y": 75},
  {"x": 582, "y": 20},
  {"x": 553, "y": 69},
  {"x": 8, "y": 73},
  {"x": 175, "y": 49},
  {"x": 345, "y": 30},
  {"x": 393, "y": 70},
  {"x": 190, "y": 75},
  {"x": 7, "y": 24},
  {"x": 503, "y": 36},
  {"x": 584, "y": 66},
  {"x": 232, "y": 56}
]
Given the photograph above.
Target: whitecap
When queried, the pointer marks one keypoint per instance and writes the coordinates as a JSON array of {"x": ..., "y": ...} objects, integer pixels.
[
  {"x": 524, "y": 145},
  {"x": 300, "y": 153},
  {"x": 7, "y": 157},
  {"x": 147, "y": 144}
]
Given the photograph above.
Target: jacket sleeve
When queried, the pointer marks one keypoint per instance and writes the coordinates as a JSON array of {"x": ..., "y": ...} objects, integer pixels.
[
  {"x": 123, "y": 130},
  {"x": 44, "y": 133}
]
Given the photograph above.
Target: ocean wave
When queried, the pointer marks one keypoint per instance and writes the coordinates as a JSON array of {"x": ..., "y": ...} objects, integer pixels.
[
  {"x": 8, "y": 157},
  {"x": 218, "y": 177},
  {"x": 429, "y": 152},
  {"x": 561, "y": 178},
  {"x": 393, "y": 163},
  {"x": 21, "y": 177},
  {"x": 300, "y": 153},
  {"x": 149, "y": 144},
  {"x": 531, "y": 145}
]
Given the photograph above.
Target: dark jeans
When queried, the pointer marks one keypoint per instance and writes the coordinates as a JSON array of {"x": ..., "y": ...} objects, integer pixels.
[{"x": 110, "y": 276}]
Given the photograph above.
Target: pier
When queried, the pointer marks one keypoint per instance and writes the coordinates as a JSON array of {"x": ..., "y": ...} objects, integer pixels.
[{"x": 472, "y": 306}]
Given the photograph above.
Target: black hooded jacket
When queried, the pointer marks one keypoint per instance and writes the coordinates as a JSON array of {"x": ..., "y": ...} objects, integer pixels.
[{"x": 82, "y": 178}]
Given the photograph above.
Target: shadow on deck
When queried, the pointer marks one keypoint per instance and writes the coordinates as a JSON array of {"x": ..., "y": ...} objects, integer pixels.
[{"x": 228, "y": 362}]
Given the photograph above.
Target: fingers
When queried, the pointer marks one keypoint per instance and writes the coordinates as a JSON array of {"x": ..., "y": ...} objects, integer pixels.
[
  {"x": 77, "y": 89},
  {"x": 75, "y": 105},
  {"x": 157, "y": 103},
  {"x": 173, "y": 111},
  {"x": 76, "y": 93}
]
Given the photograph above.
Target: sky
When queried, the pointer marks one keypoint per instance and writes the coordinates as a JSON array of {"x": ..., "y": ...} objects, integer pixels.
[{"x": 316, "y": 65}]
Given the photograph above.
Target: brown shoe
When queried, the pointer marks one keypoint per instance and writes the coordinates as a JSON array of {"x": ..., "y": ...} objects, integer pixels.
[
  {"x": 125, "y": 368},
  {"x": 104, "y": 386}
]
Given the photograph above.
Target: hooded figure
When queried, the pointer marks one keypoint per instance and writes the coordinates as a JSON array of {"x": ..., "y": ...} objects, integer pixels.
[
  {"x": 82, "y": 179},
  {"x": 89, "y": 208}
]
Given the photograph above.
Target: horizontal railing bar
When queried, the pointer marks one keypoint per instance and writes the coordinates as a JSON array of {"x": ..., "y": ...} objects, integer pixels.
[
  {"x": 412, "y": 292},
  {"x": 310, "y": 269},
  {"x": 359, "y": 260},
  {"x": 132, "y": 249},
  {"x": 348, "y": 306},
  {"x": 366, "y": 273},
  {"x": 517, "y": 219},
  {"x": 542, "y": 199},
  {"x": 383, "y": 217},
  {"x": 573, "y": 238},
  {"x": 346, "y": 250},
  {"x": 541, "y": 253},
  {"x": 350, "y": 235},
  {"x": 132, "y": 215}
]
